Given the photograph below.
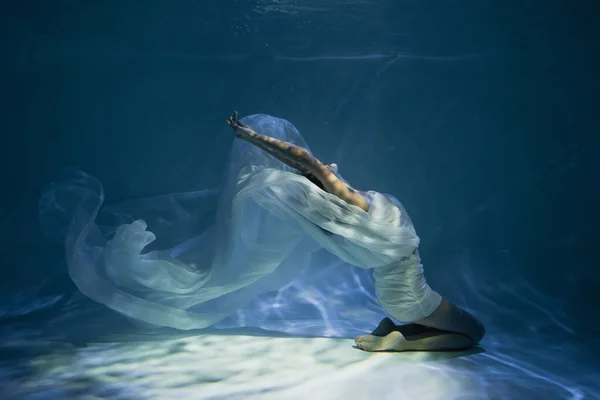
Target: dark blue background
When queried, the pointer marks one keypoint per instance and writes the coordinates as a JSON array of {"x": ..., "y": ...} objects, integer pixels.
[{"x": 480, "y": 116}]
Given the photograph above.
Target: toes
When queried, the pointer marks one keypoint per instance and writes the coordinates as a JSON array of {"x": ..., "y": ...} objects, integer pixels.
[
  {"x": 368, "y": 342},
  {"x": 392, "y": 342},
  {"x": 360, "y": 338},
  {"x": 360, "y": 344}
]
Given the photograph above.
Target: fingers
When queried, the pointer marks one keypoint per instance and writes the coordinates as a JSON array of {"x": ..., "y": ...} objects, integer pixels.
[
  {"x": 236, "y": 121},
  {"x": 233, "y": 122}
]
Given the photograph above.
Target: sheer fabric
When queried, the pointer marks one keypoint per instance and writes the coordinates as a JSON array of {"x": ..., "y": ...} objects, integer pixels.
[{"x": 188, "y": 260}]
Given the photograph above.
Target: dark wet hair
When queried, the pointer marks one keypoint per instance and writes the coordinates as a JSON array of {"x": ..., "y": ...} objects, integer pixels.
[
  {"x": 314, "y": 180},
  {"x": 318, "y": 183}
]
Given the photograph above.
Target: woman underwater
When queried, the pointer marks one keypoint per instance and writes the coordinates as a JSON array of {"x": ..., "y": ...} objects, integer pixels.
[{"x": 276, "y": 207}]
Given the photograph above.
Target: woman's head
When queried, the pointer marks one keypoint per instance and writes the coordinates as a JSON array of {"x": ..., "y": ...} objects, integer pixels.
[
  {"x": 331, "y": 167},
  {"x": 314, "y": 180}
]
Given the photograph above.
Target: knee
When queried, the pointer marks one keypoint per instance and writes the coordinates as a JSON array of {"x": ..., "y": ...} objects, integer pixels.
[
  {"x": 449, "y": 317},
  {"x": 479, "y": 332},
  {"x": 474, "y": 328}
]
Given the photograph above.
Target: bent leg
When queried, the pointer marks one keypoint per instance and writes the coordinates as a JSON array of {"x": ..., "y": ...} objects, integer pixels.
[
  {"x": 451, "y": 318},
  {"x": 434, "y": 323},
  {"x": 411, "y": 337},
  {"x": 448, "y": 328}
]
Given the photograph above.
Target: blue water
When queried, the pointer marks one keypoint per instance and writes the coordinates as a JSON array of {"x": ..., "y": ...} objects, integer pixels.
[{"x": 478, "y": 115}]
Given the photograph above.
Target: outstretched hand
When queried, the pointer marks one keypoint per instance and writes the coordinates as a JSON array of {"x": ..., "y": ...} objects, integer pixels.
[{"x": 240, "y": 129}]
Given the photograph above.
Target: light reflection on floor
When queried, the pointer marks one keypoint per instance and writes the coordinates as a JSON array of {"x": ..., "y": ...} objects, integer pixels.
[
  {"x": 534, "y": 348},
  {"x": 224, "y": 366}
]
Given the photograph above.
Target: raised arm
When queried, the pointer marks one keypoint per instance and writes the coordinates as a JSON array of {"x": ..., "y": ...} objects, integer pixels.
[
  {"x": 273, "y": 146},
  {"x": 299, "y": 158}
]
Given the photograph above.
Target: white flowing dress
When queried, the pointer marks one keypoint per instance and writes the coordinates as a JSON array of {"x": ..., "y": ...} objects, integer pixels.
[{"x": 188, "y": 260}]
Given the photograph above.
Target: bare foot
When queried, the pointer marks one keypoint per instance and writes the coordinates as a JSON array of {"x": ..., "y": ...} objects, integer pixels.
[
  {"x": 394, "y": 341},
  {"x": 381, "y": 339},
  {"x": 390, "y": 337}
]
